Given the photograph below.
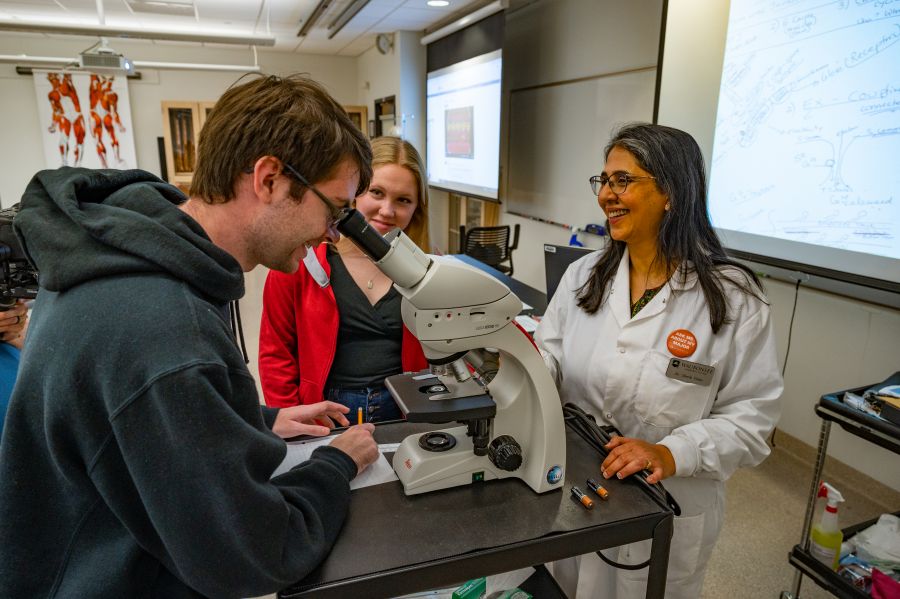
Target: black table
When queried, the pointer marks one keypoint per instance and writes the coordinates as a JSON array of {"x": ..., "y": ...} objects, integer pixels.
[
  {"x": 392, "y": 544},
  {"x": 536, "y": 299}
]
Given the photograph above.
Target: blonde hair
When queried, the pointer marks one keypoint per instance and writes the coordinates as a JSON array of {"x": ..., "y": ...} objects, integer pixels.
[{"x": 393, "y": 150}]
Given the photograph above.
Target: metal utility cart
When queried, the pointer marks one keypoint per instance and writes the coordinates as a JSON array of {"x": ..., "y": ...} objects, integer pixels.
[{"x": 885, "y": 434}]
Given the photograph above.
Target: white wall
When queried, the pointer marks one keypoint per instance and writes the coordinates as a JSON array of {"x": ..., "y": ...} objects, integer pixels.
[
  {"x": 378, "y": 76},
  {"x": 399, "y": 73},
  {"x": 837, "y": 343},
  {"x": 439, "y": 219},
  {"x": 21, "y": 154},
  {"x": 411, "y": 100}
]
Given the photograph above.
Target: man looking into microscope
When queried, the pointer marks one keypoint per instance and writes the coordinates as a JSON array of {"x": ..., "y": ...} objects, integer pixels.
[{"x": 136, "y": 459}]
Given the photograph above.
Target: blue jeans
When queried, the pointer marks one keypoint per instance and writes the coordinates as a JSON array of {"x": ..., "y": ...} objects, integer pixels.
[{"x": 376, "y": 403}]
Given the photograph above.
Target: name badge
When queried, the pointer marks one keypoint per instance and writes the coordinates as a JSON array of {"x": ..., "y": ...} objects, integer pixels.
[{"x": 690, "y": 372}]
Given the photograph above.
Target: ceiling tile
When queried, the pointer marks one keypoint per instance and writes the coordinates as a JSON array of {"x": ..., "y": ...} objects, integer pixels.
[{"x": 228, "y": 10}]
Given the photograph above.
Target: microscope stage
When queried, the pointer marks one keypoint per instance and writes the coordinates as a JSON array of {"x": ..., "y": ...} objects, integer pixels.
[{"x": 415, "y": 394}]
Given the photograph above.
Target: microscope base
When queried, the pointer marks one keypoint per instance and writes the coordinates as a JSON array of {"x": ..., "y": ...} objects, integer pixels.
[{"x": 422, "y": 471}]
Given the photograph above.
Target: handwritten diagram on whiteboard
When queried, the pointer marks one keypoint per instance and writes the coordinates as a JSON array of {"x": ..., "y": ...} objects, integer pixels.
[{"x": 807, "y": 142}]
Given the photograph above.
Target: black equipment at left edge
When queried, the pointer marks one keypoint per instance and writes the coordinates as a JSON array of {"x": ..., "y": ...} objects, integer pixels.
[{"x": 18, "y": 278}]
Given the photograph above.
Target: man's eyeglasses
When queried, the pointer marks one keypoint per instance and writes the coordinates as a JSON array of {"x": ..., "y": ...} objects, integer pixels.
[
  {"x": 618, "y": 182},
  {"x": 334, "y": 211}
]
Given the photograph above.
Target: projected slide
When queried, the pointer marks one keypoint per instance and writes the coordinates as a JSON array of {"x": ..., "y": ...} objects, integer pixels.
[
  {"x": 807, "y": 141},
  {"x": 459, "y": 134},
  {"x": 463, "y": 126}
]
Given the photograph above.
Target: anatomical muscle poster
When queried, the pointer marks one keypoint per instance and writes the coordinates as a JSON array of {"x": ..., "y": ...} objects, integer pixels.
[{"x": 85, "y": 119}]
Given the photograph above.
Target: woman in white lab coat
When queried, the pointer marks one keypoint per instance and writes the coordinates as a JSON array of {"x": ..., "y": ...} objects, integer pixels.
[{"x": 663, "y": 336}]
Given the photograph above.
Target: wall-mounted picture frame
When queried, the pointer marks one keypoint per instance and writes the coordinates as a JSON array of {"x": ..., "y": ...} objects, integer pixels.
[{"x": 360, "y": 117}]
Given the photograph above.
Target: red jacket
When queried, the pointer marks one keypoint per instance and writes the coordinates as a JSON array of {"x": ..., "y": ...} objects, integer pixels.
[{"x": 298, "y": 337}]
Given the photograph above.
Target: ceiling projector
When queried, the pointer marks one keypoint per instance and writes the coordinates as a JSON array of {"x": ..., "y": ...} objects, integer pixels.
[{"x": 105, "y": 60}]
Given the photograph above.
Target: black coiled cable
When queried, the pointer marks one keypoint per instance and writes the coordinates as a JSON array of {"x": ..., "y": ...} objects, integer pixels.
[{"x": 585, "y": 425}]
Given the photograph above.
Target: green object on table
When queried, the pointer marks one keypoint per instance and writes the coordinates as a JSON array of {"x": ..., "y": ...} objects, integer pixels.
[{"x": 473, "y": 589}]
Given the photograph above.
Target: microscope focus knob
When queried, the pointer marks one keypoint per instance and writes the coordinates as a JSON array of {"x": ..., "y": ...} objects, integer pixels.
[{"x": 506, "y": 453}]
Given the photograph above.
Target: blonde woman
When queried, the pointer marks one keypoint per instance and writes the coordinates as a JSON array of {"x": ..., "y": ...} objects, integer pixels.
[{"x": 340, "y": 341}]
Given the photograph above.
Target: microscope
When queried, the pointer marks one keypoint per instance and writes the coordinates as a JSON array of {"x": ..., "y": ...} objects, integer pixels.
[{"x": 513, "y": 425}]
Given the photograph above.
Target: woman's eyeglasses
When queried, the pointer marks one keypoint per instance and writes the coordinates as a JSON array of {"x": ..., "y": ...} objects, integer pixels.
[{"x": 618, "y": 182}]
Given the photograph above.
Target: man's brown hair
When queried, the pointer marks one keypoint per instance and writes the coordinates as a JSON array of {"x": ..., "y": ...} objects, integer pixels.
[{"x": 292, "y": 118}]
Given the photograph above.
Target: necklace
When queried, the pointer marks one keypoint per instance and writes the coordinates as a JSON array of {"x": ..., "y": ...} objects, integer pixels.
[{"x": 354, "y": 256}]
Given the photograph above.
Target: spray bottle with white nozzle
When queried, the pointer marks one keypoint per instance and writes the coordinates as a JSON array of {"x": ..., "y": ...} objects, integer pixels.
[{"x": 825, "y": 537}]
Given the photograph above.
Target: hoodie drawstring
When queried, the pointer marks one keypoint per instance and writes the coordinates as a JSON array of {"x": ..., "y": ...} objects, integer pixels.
[{"x": 237, "y": 328}]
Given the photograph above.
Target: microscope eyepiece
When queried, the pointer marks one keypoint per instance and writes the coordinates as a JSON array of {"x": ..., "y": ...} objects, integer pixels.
[
  {"x": 395, "y": 254},
  {"x": 352, "y": 224}
]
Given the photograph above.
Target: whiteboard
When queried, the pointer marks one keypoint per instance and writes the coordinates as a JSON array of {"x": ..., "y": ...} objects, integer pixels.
[
  {"x": 807, "y": 134},
  {"x": 556, "y": 138}
]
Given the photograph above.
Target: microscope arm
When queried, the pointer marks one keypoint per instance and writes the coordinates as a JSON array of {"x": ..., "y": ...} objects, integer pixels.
[{"x": 453, "y": 308}]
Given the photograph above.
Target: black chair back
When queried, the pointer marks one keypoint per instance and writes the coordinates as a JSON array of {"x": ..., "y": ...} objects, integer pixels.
[{"x": 491, "y": 245}]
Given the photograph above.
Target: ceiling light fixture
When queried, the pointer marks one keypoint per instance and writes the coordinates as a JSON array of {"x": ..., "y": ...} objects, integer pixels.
[
  {"x": 172, "y": 8},
  {"x": 348, "y": 13},
  {"x": 130, "y": 33},
  {"x": 313, "y": 17},
  {"x": 63, "y": 62},
  {"x": 438, "y": 3},
  {"x": 464, "y": 21}
]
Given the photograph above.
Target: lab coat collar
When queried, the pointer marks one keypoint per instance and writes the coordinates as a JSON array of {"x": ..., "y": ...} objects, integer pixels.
[
  {"x": 620, "y": 293},
  {"x": 685, "y": 278}
]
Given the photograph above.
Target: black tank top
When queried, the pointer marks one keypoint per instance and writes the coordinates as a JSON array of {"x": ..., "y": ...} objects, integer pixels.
[{"x": 369, "y": 337}]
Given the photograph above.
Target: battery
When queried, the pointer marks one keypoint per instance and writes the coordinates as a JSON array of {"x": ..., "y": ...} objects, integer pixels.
[
  {"x": 597, "y": 488},
  {"x": 582, "y": 498}
]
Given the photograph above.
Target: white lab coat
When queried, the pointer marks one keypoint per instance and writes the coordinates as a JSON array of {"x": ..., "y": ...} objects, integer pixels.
[{"x": 614, "y": 367}]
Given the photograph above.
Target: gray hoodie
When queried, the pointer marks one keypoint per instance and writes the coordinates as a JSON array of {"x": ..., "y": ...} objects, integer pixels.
[{"x": 135, "y": 461}]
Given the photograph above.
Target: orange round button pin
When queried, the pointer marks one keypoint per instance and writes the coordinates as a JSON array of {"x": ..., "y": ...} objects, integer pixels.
[{"x": 681, "y": 343}]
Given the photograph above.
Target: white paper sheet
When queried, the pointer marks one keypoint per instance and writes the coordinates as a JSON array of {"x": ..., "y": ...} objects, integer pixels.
[
  {"x": 299, "y": 451},
  {"x": 526, "y": 322}
]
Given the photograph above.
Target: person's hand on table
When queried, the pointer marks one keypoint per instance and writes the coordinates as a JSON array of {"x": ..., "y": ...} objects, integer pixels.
[
  {"x": 316, "y": 419},
  {"x": 358, "y": 443},
  {"x": 628, "y": 456}
]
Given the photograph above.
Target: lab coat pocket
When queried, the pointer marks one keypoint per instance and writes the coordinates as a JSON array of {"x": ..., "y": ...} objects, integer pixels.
[
  {"x": 684, "y": 553},
  {"x": 668, "y": 402}
]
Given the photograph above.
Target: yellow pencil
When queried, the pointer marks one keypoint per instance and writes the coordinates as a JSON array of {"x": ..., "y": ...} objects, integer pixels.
[{"x": 359, "y": 419}]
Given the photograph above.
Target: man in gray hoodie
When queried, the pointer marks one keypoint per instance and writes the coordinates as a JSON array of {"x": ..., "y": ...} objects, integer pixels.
[{"x": 136, "y": 459}]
